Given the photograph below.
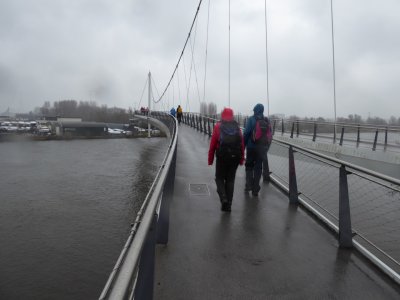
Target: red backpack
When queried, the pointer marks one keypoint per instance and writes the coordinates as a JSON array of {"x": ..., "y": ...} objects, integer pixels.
[{"x": 262, "y": 134}]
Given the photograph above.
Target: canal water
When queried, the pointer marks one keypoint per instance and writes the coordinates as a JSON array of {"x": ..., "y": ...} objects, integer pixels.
[{"x": 65, "y": 212}]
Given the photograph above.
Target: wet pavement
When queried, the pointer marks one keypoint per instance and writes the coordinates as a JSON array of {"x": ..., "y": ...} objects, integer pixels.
[{"x": 263, "y": 249}]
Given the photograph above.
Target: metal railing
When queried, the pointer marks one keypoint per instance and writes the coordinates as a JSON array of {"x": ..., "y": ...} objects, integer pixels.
[
  {"x": 359, "y": 135},
  {"x": 360, "y": 205},
  {"x": 374, "y": 137},
  {"x": 133, "y": 273}
]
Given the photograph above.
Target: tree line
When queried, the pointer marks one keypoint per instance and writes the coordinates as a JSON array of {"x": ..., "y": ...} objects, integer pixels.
[
  {"x": 87, "y": 110},
  {"x": 351, "y": 119},
  {"x": 90, "y": 111}
]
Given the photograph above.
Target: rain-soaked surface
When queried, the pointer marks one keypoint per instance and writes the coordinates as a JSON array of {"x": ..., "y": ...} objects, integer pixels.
[{"x": 65, "y": 212}]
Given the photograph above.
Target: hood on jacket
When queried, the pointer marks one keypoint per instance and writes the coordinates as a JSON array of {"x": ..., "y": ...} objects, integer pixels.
[
  {"x": 227, "y": 114},
  {"x": 258, "y": 109}
]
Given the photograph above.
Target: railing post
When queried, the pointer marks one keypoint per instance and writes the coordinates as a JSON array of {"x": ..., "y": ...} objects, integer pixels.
[
  {"x": 293, "y": 193},
  {"x": 209, "y": 127},
  {"x": 145, "y": 280},
  {"x": 273, "y": 128},
  {"x": 375, "y": 140},
  {"x": 358, "y": 135},
  {"x": 345, "y": 232},
  {"x": 386, "y": 137},
  {"x": 283, "y": 127},
  {"x": 213, "y": 124},
  {"x": 341, "y": 137},
  {"x": 334, "y": 133},
  {"x": 298, "y": 128},
  {"x": 244, "y": 122},
  {"x": 291, "y": 132},
  {"x": 201, "y": 123},
  {"x": 315, "y": 132}
]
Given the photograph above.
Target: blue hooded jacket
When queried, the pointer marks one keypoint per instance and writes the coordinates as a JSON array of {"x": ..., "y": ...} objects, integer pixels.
[{"x": 251, "y": 124}]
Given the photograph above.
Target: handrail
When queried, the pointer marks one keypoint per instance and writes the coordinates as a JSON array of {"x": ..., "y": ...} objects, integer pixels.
[
  {"x": 342, "y": 162},
  {"x": 121, "y": 279},
  {"x": 353, "y": 125},
  {"x": 341, "y": 124}
]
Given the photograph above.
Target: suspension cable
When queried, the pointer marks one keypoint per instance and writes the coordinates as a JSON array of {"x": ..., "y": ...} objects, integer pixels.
[
  {"x": 190, "y": 78},
  {"x": 186, "y": 81},
  {"x": 194, "y": 62},
  {"x": 173, "y": 94},
  {"x": 183, "y": 50},
  {"x": 266, "y": 53},
  {"x": 334, "y": 72},
  {"x": 205, "y": 63},
  {"x": 154, "y": 84},
  {"x": 229, "y": 59},
  {"x": 145, "y": 84},
  {"x": 179, "y": 88}
]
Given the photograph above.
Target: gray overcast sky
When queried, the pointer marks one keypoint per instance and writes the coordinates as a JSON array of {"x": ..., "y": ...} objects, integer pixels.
[{"x": 102, "y": 50}]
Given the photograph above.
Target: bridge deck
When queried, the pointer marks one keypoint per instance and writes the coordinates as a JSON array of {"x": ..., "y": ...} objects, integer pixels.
[{"x": 263, "y": 249}]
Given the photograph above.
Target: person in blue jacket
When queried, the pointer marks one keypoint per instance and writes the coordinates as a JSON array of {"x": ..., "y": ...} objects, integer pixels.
[
  {"x": 255, "y": 153},
  {"x": 173, "y": 112}
]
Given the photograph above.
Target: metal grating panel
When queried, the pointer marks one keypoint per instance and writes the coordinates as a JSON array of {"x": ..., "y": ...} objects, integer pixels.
[{"x": 199, "y": 189}]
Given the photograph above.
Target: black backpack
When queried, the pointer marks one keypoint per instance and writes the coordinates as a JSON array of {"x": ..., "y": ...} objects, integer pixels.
[{"x": 230, "y": 141}]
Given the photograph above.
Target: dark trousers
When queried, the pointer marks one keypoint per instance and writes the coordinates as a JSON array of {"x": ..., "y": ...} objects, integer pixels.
[
  {"x": 225, "y": 172},
  {"x": 254, "y": 166},
  {"x": 179, "y": 117},
  {"x": 265, "y": 168}
]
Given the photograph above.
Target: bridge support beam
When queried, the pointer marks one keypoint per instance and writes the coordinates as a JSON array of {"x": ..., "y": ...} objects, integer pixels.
[{"x": 345, "y": 232}]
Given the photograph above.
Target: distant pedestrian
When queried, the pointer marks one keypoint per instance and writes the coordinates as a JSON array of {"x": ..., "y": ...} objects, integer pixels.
[
  {"x": 173, "y": 112},
  {"x": 179, "y": 114},
  {"x": 257, "y": 138},
  {"x": 227, "y": 145}
]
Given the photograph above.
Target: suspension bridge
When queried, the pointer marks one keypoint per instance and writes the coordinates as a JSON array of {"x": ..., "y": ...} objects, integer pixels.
[{"x": 321, "y": 227}]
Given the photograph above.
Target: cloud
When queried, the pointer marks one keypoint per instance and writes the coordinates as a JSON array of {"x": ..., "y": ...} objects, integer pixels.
[{"x": 102, "y": 51}]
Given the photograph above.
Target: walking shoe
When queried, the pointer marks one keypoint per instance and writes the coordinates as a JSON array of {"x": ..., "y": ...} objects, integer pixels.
[
  {"x": 247, "y": 189},
  {"x": 254, "y": 193},
  {"x": 225, "y": 207}
]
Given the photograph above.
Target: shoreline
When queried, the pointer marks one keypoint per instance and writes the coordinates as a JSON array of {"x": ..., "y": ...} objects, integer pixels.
[{"x": 23, "y": 138}]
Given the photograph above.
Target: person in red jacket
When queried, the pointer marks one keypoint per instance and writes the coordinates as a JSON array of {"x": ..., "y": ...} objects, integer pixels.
[{"x": 227, "y": 145}]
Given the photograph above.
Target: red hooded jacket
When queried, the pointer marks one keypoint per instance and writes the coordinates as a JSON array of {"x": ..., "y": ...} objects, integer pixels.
[{"x": 227, "y": 115}]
